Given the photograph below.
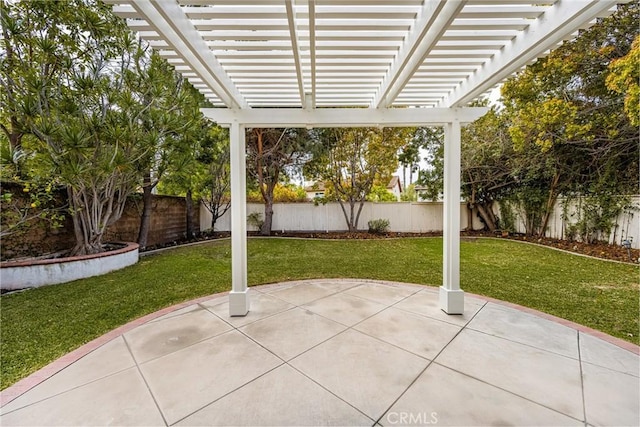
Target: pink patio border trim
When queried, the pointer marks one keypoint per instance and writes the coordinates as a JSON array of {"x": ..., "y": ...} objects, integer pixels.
[
  {"x": 57, "y": 365},
  {"x": 26, "y": 384}
]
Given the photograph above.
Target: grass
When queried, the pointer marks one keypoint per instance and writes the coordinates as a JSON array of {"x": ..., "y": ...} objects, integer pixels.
[{"x": 40, "y": 325}]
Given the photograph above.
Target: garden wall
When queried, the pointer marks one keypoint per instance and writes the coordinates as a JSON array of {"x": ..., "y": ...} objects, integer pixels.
[
  {"x": 38, "y": 236},
  {"x": 168, "y": 224},
  {"x": 168, "y": 221}
]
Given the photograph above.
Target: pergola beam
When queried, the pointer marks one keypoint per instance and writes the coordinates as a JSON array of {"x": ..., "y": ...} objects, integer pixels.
[
  {"x": 295, "y": 48},
  {"x": 562, "y": 19},
  {"x": 343, "y": 117},
  {"x": 435, "y": 17},
  {"x": 169, "y": 20}
]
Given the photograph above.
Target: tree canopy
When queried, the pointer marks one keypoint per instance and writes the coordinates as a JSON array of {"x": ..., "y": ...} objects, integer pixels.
[
  {"x": 567, "y": 128},
  {"x": 353, "y": 160},
  {"x": 87, "y": 106}
]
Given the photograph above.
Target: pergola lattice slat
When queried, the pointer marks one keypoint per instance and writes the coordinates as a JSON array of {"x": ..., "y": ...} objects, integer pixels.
[{"x": 216, "y": 39}]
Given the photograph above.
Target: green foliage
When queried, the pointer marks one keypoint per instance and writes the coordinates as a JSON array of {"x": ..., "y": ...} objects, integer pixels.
[
  {"x": 561, "y": 132},
  {"x": 624, "y": 79},
  {"x": 88, "y": 107},
  {"x": 41, "y": 325},
  {"x": 38, "y": 203},
  {"x": 271, "y": 154},
  {"x": 42, "y": 42},
  {"x": 487, "y": 164},
  {"x": 507, "y": 220},
  {"x": 378, "y": 226},
  {"x": 380, "y": 193},
  {"x": 409, "y": 194},
  {"x": 202, "y": 171},
  {"x": 255, "y": 219},
  {"x": 66, "y": 104},
  {"x": 530, "y": 204},
  {"x": 282, "y": 193},
  {"x": 352, "y": 161},
  {"x": 568, "y": 125},
  {"x": 595, "y": 216},
  {"x": 431, "y": 179}
]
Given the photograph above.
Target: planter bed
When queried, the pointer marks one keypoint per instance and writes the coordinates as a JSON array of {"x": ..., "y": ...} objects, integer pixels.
[{"x": 16, "y": 275}]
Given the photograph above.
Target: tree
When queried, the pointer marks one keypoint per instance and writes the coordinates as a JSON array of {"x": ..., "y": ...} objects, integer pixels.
[
  {"x": 166, "y": 109},
  {"x": 563, "y": 115},
  {"x": 41, "y": 41},
  {"x": 624, "y": 77},
  {"x": 353, "y": 160},
  {"x": 215, "y": 188},
  {"x": 486, "y": 164},
  {"x": 379, "y": 193},
  {"x": 269, "y": 153},
  {"x": 409, "y": 158},
  {"x": 202, "y": 172},
  {"x": 63, "y": 72},
  {"x": 431, "y": 178}
]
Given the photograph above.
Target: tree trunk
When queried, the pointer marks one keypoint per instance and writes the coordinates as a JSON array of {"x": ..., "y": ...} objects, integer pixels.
[
  {"x": 265, "y": 230},
  {"x": 214, "y": 219},
  {"x": 87, "y": 242},
  {"x": 189, "y": 205},
  {"x": 469, "y": 217},
  {"x": 355, "y": 224},
  {"x": 487, "y": 216},
  {"x": 344, "y": 212},
  {"x": 145, "y": 219},
  {"x": 80, "y": 247},
  {"x": 404, "y": 176},
  {"x": 352, "y": 220}
]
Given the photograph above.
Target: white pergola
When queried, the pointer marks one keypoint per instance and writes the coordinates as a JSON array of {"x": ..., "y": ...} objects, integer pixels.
[{"x": 298, "y": 63}]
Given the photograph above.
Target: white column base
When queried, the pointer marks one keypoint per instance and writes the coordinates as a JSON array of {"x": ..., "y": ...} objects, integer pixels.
[
  {"x": 238, "y": 303},
  {"x": 451, "y": 301}
]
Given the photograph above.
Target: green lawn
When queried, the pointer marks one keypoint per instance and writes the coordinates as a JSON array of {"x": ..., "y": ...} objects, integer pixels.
[{"x": 40, "y": 325}]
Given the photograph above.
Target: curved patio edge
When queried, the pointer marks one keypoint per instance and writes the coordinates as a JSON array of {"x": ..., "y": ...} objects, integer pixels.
[
  {"x": 33, "y": 274},
  {"x": 61, "y": 363}
]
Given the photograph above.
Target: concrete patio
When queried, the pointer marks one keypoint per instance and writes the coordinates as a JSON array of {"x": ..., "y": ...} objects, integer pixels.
[{"x": 340, "y": 352}]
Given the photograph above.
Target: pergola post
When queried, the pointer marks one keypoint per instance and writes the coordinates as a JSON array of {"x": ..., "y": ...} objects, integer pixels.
[
  {"x": 239, "y": 295},
  {"x": 451, "y": 296}
]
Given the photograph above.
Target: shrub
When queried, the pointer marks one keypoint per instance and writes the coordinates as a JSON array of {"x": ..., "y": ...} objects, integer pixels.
[
  {"x": 255, "y": 219},
  {"x": 378, "y": 226}
]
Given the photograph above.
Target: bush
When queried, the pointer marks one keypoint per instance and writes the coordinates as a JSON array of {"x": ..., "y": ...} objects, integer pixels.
[
  {"x": 255, "y": 219},
  {"x": 378, "y": 226},
  {"x": 507, "y": 217}
]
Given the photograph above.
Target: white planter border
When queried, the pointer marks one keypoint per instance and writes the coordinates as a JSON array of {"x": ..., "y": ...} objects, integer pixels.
[{"x": 33, "y": 274}]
